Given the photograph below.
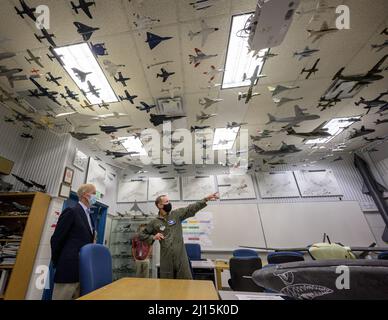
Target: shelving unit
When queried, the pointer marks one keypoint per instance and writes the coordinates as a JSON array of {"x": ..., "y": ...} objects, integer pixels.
[{"x": 30, "y": 228}]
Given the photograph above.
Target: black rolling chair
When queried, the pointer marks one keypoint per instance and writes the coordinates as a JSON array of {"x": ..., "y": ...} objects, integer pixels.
[
  {"x": 284, "y": 257},
  {"x": 241, "y": 269}
]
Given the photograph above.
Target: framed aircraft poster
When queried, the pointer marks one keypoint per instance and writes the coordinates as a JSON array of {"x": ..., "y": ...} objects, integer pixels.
[
  {"x": 132, "y": 190},
  {"x": 169, "y": 186},
  {"x": 80, "y": 160},
  {"x": 197, "y": 187},
  {"x": 317, "y": 183},
  {"x": 96, "y": 175},
  {"x": 277, "y": 184},
  {"x": 235, "y": 187}
]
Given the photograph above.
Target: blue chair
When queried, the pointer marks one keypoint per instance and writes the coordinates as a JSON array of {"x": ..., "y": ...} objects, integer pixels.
[
  {"x": 383, "y": 255},
  {"x": 241, "y": 253},
  {"x": 284, "y": 257},
  {"x": 193, "y": 251},
  {"x": 95, "y": 267}
]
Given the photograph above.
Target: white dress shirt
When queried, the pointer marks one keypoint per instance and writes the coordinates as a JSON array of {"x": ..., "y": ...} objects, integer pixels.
[{"x": 87, "y": 212}]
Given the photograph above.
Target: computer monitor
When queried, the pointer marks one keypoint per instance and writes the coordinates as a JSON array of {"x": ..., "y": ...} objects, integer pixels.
[{"x": 5, "y": 166}]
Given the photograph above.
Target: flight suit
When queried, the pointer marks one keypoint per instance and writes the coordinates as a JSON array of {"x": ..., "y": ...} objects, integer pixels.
[{"x": 174, "y": 263}]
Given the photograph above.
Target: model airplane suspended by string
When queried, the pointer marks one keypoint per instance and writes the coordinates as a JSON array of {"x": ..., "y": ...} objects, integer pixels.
[
  {"x": 154, "y": 40},
  {"x": 103, "y": 104},
  {"x": 312, "y": 70},
  {"x": 283, "y": 100},
  {"x": 144, "y": 22},
  {"x": 70, "y": 94},
  {"x": 164, "y": 74},
  {"x": 328, "y": 103},
  {"x": 281, "y": 88},
  {"x": 99, "y": 49},
  {"x": 294, "y": 121},
  {"x": 204, "y": 116},
  {"x": 306, "y": 52},
  {"x": 199, "y": 128},
  {"x": 26, "y": 136},
  {"x": 378, "y": 121},
  {"x": 374, "y": 139},
  {"x": 202, "y": 4},
  {"x": 319, "y": 132},
  {"x": 55, "y": 56},
  {"x": 92, "y": 89},
  {"x": 10, "y": 74},
  {"x": 85, "y": 31},
  {"x": 234, "y": 124},
  {"x": 111, "y": 67},
  {"x": 117, "y": 154},
  {"x": 87, "y": 105},
  {"x": 45, "y": 92},
  {"x": 158, "y": 119},
  {"x": 375, "y": 103},
  {"x": 361, "y": 132},
  {"x": 51, "y": 78},
  {"x": 145, "y": 107},
  {"x": 207, "y": 102},
  {"x": 324, "y": 30},
  {"x": 45, "y": 35},
  {"x": 247, "y": 95},
  {"x": 33, "y": 58},
  {"x": 284, "y": 150},
  {"x": 6, "y": 55},
  {"x": 380, "y": 47},
  {"x": 128, "y": 97},
  {"x": 111, "y": 129},
  {"x": 255, "y": 76},
  {"x": 213, "y": 72},
  {"x": 262, "y": 135},
  {"x": 204, "y": 32},
  {"x": 84, "y": 6},
  {"x": 113, "y": 115},
  {"x": 121, "y": 79},
  {"x": 82, "y": 135},
  {"x": 267, "y": 55},
  {"x": 199, "y": 57},
  {"x": 25, "y": 10},
  {"x": 81, "y": 75}
]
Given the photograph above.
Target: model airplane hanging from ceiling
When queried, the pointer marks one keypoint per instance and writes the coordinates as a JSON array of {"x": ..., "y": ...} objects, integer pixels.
[
  {"x": 82, "y": 135},
  {"x": 10, "y": 74},
  {"x": 44, "y": 92},
  {"x": 70, "y": 94},
  {"x": 306, "y": 52},
  {"x": 112, "y": 68},
  {"x": 200, "y": 56},
  {"x": 51, "y": 78},
  {"x": 145, "y": 107},
  {"x": 81, "y": 75},
  {"x": 117, "y": 154},
  {"x": 84, "y": 6},
  {"x": 294, "y": 121},
  {"x": 324, "y": 30},
  {"x": 361, "y": 132},
  {"x": 213, "y": 72},
  {"x": 207, "y": 102},
  {"x": 316, "y": 12},
  {"x": 87, "y": 105},
  {"x": 158, "y": 119},
  {"x": 312, "y": 70},
  {"x": 375, "y": 103},
  {"x": 92, "y": 89},
  {"x": 128, "y": 97},
  {"x": 153, "y": 40},
  {"x": 247, "y": 95},
  {"x": 202, "y": 4},
  {"x": 284, "y": 150},
  {"x": 204, "y": 32},
  {"x": 328, "y": 103},
  {"x": 204, "y": 116},
  {"x": 99, "y": 49},
  {"x": 283, "y": 100},
  {"x": 25, "y": 10},
  {"x": 33, "y": 58},
  {"x": 113, "y": 115},
  {"x": 318, "y": 132},
  {"x": 281, "y": 88},
  {"x": 164, "y": 74},
  {"x": 85, "y": 31},
  {"x": 122, "y": 79},
  {"x": 55, "y": 56},
  {"x": 45, "y": 35}
]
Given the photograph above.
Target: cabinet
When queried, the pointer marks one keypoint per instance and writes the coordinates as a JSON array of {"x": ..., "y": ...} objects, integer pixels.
[{"x": 22, "y": 218}]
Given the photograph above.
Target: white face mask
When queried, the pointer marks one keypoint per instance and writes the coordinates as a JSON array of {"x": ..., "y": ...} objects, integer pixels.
[{"x": 92, "y": 199}]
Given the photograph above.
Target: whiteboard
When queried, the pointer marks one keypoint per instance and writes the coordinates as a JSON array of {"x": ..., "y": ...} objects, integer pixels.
[
  {"x": 277, "y": 184},
  {"x": 167, "y": 186},
  {"x": 132, "y": 190},
  {"x": 300, "y": 224}
]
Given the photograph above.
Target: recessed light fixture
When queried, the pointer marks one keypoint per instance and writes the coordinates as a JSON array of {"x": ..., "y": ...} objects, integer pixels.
[
  {"x": 224, "y": 138},
  {"x": 133, "y": 144},
  {"x": 238, "y": 59},
  {"x": 334, "y": 127},
  {"x": 79, "y": 56}
]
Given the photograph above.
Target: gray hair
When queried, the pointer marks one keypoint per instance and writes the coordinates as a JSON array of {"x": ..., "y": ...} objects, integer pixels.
[{"x": 84, "y": 188}]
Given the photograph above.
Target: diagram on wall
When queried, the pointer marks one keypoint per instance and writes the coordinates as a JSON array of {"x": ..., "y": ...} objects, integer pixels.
[
  {"x": 96, "y": 175},
  {"x": 235, "y": 187},
  {"x": 317, "y": 183},
  {"x": 131, "y": 190},
  {"x": 198, "y": 229},
  {"x": 80, "y": 160},
  {"x": 168, "y": 186},
  {"x": 279, "y": 184},
  {"x": 196, "y": 188}
]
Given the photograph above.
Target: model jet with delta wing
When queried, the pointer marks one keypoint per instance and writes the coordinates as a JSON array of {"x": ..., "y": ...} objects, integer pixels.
[
  {"x": 111, "y": 129},
  {"x": 153, "y": 40},
  {"x": 85, "y": 31}
]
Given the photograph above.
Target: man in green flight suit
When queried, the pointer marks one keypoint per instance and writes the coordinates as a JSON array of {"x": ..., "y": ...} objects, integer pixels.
[{"x": 167, "y": 229}]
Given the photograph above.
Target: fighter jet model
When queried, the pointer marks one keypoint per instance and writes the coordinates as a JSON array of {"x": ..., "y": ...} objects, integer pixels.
[
  {"x": 144, "y": 22},
  {"x": 264, "y": 134},
  {"x": 117, "y": 154},
  {"x": 375, "y": 103},
  {"x": 317, "y": 34},
  {"x": 195, "y": 128},
  {"x": 25, "y": 10},
  {"x": 283, "y": 100},
  {"x": 247, "y": 95},
  {"x": 92, "y": 89},
  {"x": 318, "y": 132},
  {"x": 84, "y": 6},
  {"x": 284, "y": 150},
  {"x": 121, "y": 79},
  {"x": 378, "y": 121},
  {"x": 362, "y": 132},
  {"x": 45, "y": 35},
  {"x": 204, "y": 116},
  {"x": 55, "y": 56},
  {"x": 234, "y": 124},
  {"x": 363, "y": 79},
  {"x": 112, "y": 68},
  {"x": 85, "y": 30},
  {"x": 38, "y": 185},
  {"x": 45, "y": 92},
  {"x": 70, "y": 94},
  {"x": 99, "y": 49},
  {"x": 321, "y": 7},
  {"x": 202, "y": 4},
  {"x": 207, "y": 102},
  {"x": 328, "y": 103},
  {"x": 25, "y": 182},
  {"x": 87, "y": 105},
  {"x": 213, "y": 72},
  {"x": 313, "y": 69},
  {"x": 51, "y": 78},
  {"x": 153, "y": 40},
  {"x": 6, "y": 55},
  {"x": 204, "y": 32},
  {"x": 9, "y": 74},
  {"x": 164, "y": 74},
  {"x": 33, "y": 58},
  {"x": 373, "y": 139},
  {"x": 145, "y": 107},
  {"x": 158, "y": 119},
  {"x": 256, "y": 76},
  {"x": 380, "y": 47},
  {"x": 299, "y": 117},
  {"x": 267, "y": 55},
  {"x": 82, "y": 135},
  {"x": 80, "y": 74},
  {"x": 200, "y": 56},
  {"x": 306, "y": 52},
  {"x": 112, "y": 129},
  {"x": 27, "y": 136},
  {"x": 112, "y": 115},
  {"x": 128, "y": 97}
]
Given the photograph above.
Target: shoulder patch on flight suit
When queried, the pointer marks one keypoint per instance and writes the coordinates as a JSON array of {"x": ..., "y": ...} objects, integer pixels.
[{"x": 171, "y": 222}]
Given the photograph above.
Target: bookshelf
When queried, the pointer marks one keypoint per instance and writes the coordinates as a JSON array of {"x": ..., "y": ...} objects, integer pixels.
[{"x": 29, "y": 227}]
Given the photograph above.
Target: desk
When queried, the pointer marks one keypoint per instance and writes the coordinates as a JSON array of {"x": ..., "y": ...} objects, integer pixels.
[
  {"x": 237, "y": 295},
  {"x": 220, "y": 267},
  {"x": 154, "y": 289}
]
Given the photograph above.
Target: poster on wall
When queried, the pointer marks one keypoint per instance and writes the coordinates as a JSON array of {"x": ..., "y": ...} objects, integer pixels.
[
  {"x": 198, "y": 187},
  {"x": 317, "y": 183},
  {"x": 96, "y": 175},
  {"x": 132, "y": 190},
  {"x": 80, "y": 160},
  {"x": 235, "y": 187},
  {"x": 168, "y": 186},
  {"x": 278, "y": 184},
  {"x": 198, "y": 229}
]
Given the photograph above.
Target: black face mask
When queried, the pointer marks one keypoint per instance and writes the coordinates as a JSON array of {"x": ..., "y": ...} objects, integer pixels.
[{"x": 167, "y": 207}]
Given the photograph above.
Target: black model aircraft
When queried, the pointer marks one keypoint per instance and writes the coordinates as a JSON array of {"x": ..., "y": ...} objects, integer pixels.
[
  {"x": 99, "y": 49},
  {"x": 112, "y": 129},
  {"x": 45, "y": 35},
  {"x": 378, "y": 121},
  {"x": 385, "y": 31},
  {"x": 362, "y": 132},
  {"x": 38, "y": 185},
  {"x": 375, "y": 103},
  {"x": 25, "y": 10},
  {"x": 153, "y": 40},
  {"x": 362, "y": 79},
  {"x": 84, "y": 6},
  {"x": 159, "y": 166},
  {"x": 145, "y": 107},
  {"x": 158, "y": 119},
  {"x": 121, "y": 79},
  {"x": 51, "y": 78},
  {"x": 92, "y": 89},
  {"x": 313, "y": 69},
  {"x": 45, "y": 92},
  {"x": 81, "y": 75},
  {"x": 70, "y": 94},
  {"x": 318, "y": 132},
  {"x": 194, "y": 128},
  {"x": 82, "y": 135},
  {"x": 328, "y": 103},
  {"x": 117, "y": 154},
  {"x": 68, "y": 104},
  {"x": 128, "y": 97},
  {"x": 27, "y": 136},
  {"x": 22, "y": 117},
  {"x": 25, "y": 182},
  {"x": 55, "y": 56},
  {"x": 104, "y": 105},
  {"x": 165, "y": 74},
  {"x": 85, "y": 30},
  {"x": 373, "y": 139}
]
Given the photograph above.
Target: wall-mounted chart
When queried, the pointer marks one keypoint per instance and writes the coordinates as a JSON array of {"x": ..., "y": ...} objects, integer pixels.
[
  {"x": 235, "y": 187},
  {"x": 168, "y": 186},
  {"x": 196, "y": 188},
  {"x": 96, "y": 175},
  {"x": 278, "y": 184},
  {"x": 132, "y": 190},
  {"x": 317, "y": 183}
]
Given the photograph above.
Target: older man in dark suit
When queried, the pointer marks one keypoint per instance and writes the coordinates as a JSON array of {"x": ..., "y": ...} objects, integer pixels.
[{"x": 74, "y": 230}]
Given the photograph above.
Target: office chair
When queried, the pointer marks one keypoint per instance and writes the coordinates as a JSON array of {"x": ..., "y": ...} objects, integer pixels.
[
  {"x": 244, "y": 253},
  {"x": 241, "y": 269},
  {"x": 193, "y": 251},
  {"x": 284, "y": 257},
  {"x": 95, "y": 267},
  {"x": 383, "y": 255}
]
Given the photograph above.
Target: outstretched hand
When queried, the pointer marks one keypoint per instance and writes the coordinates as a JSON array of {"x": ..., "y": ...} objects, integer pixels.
[{"x": 213, "y": 196}]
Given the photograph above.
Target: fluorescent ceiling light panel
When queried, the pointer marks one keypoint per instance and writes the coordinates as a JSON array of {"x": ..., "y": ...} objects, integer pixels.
[
  {"x": 133, "y": 144},
  {"x": 238, "y": 60},
  {"x": 81, "y": 57},
  {"x": 224, "y": 138},
  {"x": 334, "y": 127}
]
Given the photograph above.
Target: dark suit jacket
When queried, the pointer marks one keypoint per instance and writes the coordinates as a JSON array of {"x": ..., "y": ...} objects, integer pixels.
[{"x": 71, "y": 234}]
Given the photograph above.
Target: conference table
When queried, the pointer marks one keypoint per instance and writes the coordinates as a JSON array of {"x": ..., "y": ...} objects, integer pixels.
[{"x": 154, "y": 289}]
